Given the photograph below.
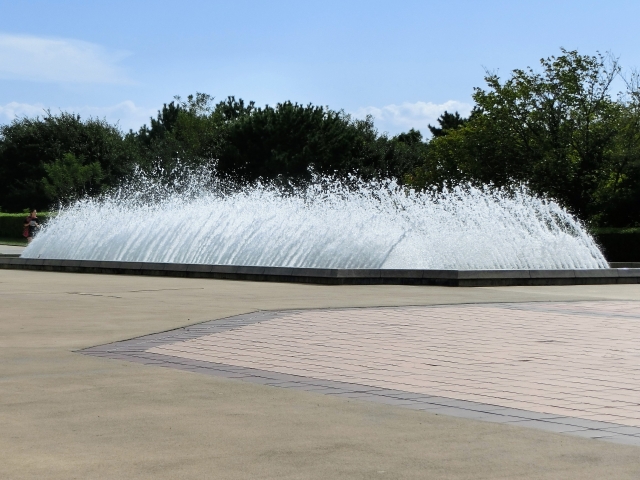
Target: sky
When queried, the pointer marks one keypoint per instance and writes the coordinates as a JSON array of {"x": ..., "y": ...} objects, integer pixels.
[{"x": 404, "y": 62}]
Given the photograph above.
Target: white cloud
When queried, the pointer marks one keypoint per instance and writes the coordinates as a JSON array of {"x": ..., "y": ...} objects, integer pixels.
[
  {"x": 400, "y": 118},
  {"x": 391, "y": 118},
  {"x": 127, "y": 114},
  {"x": 26, "y": 57},
  {"x": 14, "y": 109}
]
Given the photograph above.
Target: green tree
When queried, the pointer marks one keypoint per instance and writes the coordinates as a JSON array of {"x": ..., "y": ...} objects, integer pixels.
[
  {"x": 28, "y": 144},
  {"x": 184, "y": 133},
  {"x": 447, "y": 121},
  {"x": 70, "y": 177},
  {"x": 562, "y": 131},
  {"x": 288, "y": 140},
  {"x": 617, "y": 198}
]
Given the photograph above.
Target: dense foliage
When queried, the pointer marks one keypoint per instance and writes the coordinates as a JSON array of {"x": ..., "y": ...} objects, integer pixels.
[
  {"x": 43, "y": 159},
  {"x": 59, "y": 157},
  {"x": 562, "y": 131},
  {"x": 286, "y": 141}
]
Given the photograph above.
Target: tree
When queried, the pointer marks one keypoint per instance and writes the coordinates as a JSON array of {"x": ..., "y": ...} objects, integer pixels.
[
  {"x": 288, "y": 140},
  {"x": 561, "y": 131},
  {"x": 70, "y": 177},
  {"x": 448, "y": 121},
  {"x": 27, "y": 145},
  {"x": 184, "y": 134},
  {"x": 618, "y": 196}
]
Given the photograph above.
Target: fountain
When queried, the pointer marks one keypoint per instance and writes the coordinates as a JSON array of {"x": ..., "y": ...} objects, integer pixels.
[{"x": 327, "y": 224}]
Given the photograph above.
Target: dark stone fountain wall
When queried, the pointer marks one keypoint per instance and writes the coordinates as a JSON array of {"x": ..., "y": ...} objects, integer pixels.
[{"x": 453, "y": 278}]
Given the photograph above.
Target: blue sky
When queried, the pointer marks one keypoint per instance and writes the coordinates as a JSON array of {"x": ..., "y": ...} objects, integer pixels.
[{"x": 404, "y": 61}]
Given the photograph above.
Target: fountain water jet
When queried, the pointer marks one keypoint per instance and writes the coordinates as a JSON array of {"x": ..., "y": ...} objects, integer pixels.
[{"x": 328, "y": 224}]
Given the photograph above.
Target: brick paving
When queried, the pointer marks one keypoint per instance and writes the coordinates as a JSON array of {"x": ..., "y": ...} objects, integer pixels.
[{"x": 568, "y": 367}]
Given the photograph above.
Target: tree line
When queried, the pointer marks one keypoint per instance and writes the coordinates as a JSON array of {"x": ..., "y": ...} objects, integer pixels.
[
  {"x": 58, "y": 157},
  {"x": 564, "y": 131}
]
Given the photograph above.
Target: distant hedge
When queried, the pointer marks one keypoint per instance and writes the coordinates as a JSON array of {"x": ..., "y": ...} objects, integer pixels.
[
  {"x": 619, "y": 244},
  {"x": 12, "y": 224}
]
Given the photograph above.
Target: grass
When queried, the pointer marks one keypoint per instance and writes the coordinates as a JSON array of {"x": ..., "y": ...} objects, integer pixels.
[
  {"x": 13, "y": 241},
  {"x": 605, "y": 230}
]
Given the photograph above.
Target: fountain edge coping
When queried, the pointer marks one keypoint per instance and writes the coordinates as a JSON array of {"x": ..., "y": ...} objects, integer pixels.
[{"x": 334, "y": 276}]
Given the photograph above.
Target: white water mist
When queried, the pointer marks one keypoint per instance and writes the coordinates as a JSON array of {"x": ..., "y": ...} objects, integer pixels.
[{"x": 326, "y": 225}]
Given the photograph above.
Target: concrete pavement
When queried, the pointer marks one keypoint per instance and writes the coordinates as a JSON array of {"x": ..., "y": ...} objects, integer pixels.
[
  {"x": 66, "y": 415},
  {"x": 10, "y": 249}
]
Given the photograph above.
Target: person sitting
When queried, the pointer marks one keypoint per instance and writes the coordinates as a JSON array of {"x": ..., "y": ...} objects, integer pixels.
[{"x": 31, "y": 225}]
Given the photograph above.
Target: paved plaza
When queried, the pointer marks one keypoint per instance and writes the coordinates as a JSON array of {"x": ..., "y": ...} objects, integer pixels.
[
  {"x": 270, "y": 380},
  {"x": 10, "y": 249}
]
